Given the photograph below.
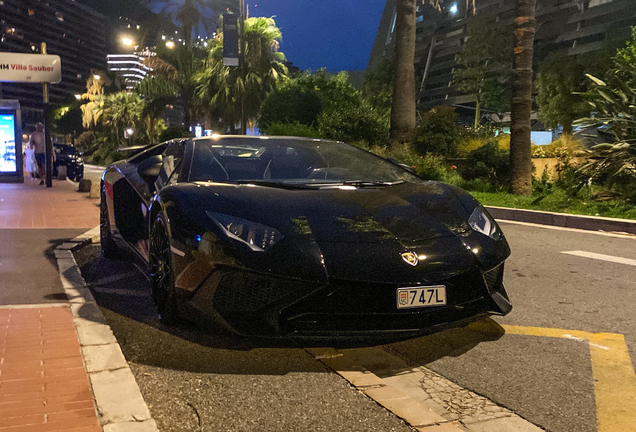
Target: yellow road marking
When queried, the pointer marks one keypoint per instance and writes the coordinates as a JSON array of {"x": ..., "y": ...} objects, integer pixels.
[{"x": 614, "y": 377}]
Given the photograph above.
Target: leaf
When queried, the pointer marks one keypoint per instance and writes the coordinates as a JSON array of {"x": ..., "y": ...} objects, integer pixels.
[
  {"x": 596, "y": 80},
  {"x": 603, "y": 146},
  {"x": 606, "y": 96}
]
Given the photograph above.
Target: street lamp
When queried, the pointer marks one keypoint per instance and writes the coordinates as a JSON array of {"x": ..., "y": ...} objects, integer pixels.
[
  {"x": 97, "y": 77},
  {"x": 127, "y": 41},
  {"x": 78, "y": 96},
  {"x": 170, "y": 44}
]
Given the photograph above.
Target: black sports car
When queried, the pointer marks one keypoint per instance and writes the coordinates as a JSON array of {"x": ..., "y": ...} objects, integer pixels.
[
  {"x": 67, "y": 156},
  {"x": 296, "y": 238}
]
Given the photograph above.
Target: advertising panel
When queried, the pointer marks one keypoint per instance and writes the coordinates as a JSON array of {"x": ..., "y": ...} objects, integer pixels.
[
  {"x": 7, "y": 143},
  {"x": 230, "y": 40},
  {"x": 30, "y": 68}
]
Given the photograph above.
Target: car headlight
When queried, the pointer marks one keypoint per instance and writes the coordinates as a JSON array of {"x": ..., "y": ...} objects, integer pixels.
[
  {"x": 481, "y": 222},
  {"x": 257, "y": 236}
]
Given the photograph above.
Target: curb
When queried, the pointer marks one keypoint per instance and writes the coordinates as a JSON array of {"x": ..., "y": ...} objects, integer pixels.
[
  {"x": 120, "y": 405},
  {"x": 565, "y": 220},
  {"x": 409, "y": 403}
]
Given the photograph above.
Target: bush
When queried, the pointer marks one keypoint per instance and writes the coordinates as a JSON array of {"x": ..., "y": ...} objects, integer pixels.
[
  {"x": 292, "y": 129},
  {"x": 360, "y": 123},
  {"x": 428, "y": 167},
  {"x": 471, "y": 139},
  {"x": 438, "y": 132},
  {"x": 565, "y": 144},
  {"x": 84, "y": 142},
  {"x": 488, "y": 164},
  {"x": 291, "y": 105},
  {"x": 542, "y": 185},
  {"x": 171, "y": 133}
]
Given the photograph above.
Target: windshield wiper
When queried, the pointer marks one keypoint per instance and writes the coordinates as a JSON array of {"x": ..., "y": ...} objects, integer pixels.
[
  {"x": 371, "y": 183},
  {"x": 276, "y": 184}
]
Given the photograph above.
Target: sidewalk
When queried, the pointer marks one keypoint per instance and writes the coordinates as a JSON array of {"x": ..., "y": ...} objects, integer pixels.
[
  {"x": 29, "y": 205},
  {"x": 44, "y": 385}
]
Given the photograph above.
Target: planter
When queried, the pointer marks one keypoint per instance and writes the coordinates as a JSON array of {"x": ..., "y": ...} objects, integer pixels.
[{"x": 542, "y": 163}]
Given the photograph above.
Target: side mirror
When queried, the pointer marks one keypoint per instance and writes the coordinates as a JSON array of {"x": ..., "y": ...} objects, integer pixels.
[
  {"x": 402, "y": 165},
  {"x": 150, "y": 168}
]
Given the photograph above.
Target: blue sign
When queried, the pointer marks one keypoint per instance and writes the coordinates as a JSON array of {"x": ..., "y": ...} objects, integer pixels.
[{"x": 7, "y": 143}]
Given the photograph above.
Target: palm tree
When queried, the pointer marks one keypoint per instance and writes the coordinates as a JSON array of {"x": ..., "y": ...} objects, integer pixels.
[
  {"x": 223, "y": 87},
  {"x": 122, "y": 110},
  {"x": 197, "y": 15},
  {"x": 156, "y": 93},
  {"x": 174, "y": 71},
  {"x": 521, "y": 108},
  {"x": 403, "y": 105}
]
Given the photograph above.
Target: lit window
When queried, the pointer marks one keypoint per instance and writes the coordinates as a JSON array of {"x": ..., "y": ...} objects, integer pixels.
[{"x": 31, "y": 12}]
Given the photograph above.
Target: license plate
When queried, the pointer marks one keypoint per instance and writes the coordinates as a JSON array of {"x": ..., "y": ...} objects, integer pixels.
[{"x": 416, "y": 297}]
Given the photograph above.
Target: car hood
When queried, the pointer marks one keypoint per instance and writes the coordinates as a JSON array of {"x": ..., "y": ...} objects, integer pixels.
[{"x": 407, "y": 212}]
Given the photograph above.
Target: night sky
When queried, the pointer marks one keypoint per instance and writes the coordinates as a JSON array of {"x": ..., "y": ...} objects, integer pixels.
[{"x": 335, "y": 34}]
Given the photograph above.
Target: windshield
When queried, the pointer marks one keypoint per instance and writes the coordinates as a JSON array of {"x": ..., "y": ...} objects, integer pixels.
[
  {"x": 290, "y": 161},
  {"x": 65, "y": 150}
]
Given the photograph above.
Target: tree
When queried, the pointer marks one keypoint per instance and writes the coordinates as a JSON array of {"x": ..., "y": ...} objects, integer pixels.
[
  {"x": 289, "y": 105},
  {"x": 558, "y": 81},
  {"x": 122, "y": 110},
  {"x": 484, "y": 65},
  {"x": 177, "y": 68},
  {"x": 223, "y": 87},
  {"x": 156, "y": 93},
  {"x": 521, "y": 108},
  {"x": 194, "y": 15},
  {"x": 402, "y": 127},
  {"x": 93, "y": 109},
  {"x": 403, "y": 104},
  {"x": 321, "y": 104},
  {"x": 378, "y": 83}
]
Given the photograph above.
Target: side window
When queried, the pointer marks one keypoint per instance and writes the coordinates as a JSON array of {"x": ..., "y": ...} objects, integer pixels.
[{"x": 172, "y": 157}]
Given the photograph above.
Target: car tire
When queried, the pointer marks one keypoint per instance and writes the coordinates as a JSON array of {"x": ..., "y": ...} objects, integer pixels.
[
  {"x": 109, "y": 247},
  {"x": 162, "y": 273}
]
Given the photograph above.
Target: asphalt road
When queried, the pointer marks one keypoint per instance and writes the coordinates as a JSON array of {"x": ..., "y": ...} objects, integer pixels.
[
  {"x": 192, "y": 380},
  {"x": 28, "y": 269},
  {"x": 546, "y": 380}
]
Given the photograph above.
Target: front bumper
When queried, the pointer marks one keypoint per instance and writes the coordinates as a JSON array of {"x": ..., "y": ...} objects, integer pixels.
[{"x": 252, "y": 304}]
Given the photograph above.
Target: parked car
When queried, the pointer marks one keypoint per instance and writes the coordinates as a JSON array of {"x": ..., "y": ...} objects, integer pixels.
[
  {"x": 302, "y": 239},
  {"x": 68, "y": 156}
]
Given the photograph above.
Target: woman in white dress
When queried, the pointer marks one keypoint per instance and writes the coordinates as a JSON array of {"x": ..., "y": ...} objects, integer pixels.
[{"x": 29, "y": 158}]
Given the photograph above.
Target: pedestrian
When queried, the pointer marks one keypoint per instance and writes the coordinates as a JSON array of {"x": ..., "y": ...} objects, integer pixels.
[
  {"x": 31, "y": 166},
  {"x": 37, "y": 143}
]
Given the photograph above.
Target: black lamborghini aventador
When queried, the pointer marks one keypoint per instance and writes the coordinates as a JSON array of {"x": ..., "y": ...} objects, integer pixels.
[{"x": 287, "y": 238}]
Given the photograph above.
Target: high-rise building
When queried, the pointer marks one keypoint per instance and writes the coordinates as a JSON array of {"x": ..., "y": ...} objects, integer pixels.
[
  {"x": 70, "y": 29},
  {"x": 569, "y": 27}
]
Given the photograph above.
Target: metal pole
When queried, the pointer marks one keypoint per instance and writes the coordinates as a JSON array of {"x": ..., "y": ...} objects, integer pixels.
[
  {"x": 242, "y": 65},
  {"x": 47, "y": 130}
]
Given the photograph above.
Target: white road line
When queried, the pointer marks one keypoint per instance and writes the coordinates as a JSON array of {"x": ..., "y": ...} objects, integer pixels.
[
  {"x": 602, "y": 257},
  {"x": 567, "y": 336},
  {"x": 601, "y": 233}
]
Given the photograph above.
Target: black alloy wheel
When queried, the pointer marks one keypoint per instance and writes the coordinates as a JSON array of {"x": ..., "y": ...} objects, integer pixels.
[
  {"x": 161, "y": 272},
  {"x": 109, "y": 248}
]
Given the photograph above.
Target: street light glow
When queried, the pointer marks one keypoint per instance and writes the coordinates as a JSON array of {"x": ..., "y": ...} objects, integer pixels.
[
  {"x": 127, "y": 41},
  {"x": 453, "y": 8},
  {"x": 78, "y": 96},
  {"x": 97, "y": 77},
  {"x": 170, "y": 44}
]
